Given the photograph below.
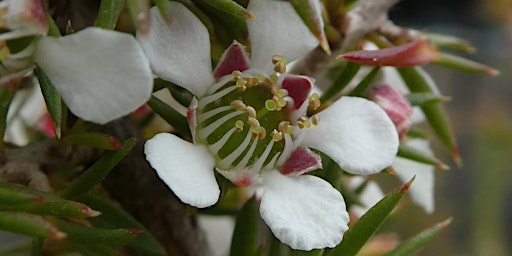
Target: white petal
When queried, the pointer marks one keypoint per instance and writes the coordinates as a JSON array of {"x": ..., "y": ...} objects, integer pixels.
[
  {"x": 277, "y": 29},
  {"x": 422, "y": 190},
  {"x": 186, "y": 168},
  {"x": 304, "y": 211},
  {"x": 357, "y": 134},
  {"x": 101, "y": 74},
  {"x": 179, "y": 52}
]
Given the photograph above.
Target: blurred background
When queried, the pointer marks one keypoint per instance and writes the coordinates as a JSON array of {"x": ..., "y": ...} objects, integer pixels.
[{"x": 478, "y": 195}]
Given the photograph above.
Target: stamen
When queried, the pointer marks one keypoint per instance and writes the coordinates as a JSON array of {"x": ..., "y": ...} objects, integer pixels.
[
  {"x": 206, "y": 131},
  {"x": 259, "y": 163},
  {"x": 211, "y": 98},
  {"x": 250, "y": 111},
  {"x": 288, "y": 149},
  {"x": 272, "y": 79},
  {"x": 215, "y": 147},
  {"x": 314, "y": 120},
  {"x": 238, "y": 105},
  {"x": 314, "y": 101},
  {"x": 227, "y": 161},
  {"x": 201, "y": 117},
  {"x": 239, "y": 125},
  {"x": 303, "y": 122},
  {"x": 240, "y": 85},
  {"x": 276, "y": 136},
  {"x": 236, "y": 74},
  {"x": 270, "y": 105},
  {"x": 247, "y": 156}
]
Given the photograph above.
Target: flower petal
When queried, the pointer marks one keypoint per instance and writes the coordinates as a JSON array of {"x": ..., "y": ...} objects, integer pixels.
[
  {"x": 357, "y": 134},
  {"x": 304, "y": 211},
  {"x": 101, "y": 74},
  {"x": 179, "y": 52},
  {"x": 422, "y": 191},
  {"x": 234, "y": 58},
  {"x": 186, "y": 168},
  {"x": 301, "y": 160},
  {"x": 298, "y": 88},
  {"x": 277, "y": 29}
]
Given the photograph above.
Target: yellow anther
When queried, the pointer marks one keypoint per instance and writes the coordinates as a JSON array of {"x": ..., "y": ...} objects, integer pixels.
[
  {"x": 260, "y": 78},
  {"x": 240, "y": 84},
  {"x": 276, "y": 136},
  {"x": 303, "y": 123},
  {"x": 273, "y": 78},
  {"x": 281, "y": 103},
  {"x": 276, "y": 59},
  {"x": 250, "y": 111},
  {"x": 315, "y": 120},
  {"x": 262, "y": 133},
  {"x": 314, "y": 101},
  {"x": 270, "y": 105},
  {"x": 238, "y": 105},
  {"x": 284, "y": 127},
  {"x": 239, "y": 125},
  {"x": 289, "y": 129},
  {"x": 236, "y": 74}
]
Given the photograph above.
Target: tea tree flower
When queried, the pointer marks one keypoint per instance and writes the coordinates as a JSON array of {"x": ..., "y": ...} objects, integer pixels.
[
  {"x": 249, "y": 122},
  {"x": 100, "y": 74}
]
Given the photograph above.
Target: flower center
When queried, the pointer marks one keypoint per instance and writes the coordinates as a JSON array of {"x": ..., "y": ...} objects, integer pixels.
[{"x": 246, "y": 121}]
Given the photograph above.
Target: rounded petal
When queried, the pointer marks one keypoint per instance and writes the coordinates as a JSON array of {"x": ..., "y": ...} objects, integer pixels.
[
  {"x": 422, "y": 190},
  {"x": 179, "y": 52},
  {"x": 304, "y": 211},
  {"x": 186, "y": 168},
  {"x": 357, "y": 134},
  {"x": 277, "y": 29},
  {"x": 101, "y": 74}
]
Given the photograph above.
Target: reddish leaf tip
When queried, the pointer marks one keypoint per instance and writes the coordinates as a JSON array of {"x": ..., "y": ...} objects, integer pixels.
[
  {"x": 442, "y": 166},
  {"x": 456, "y": 157},
  {"x": 38, "y": 199},
  {"x": 445, "y": 223},
  {"x": 88, "y": 212},
  {"x": 407, "y": 185},
  {"x": 134, "y": 232}
]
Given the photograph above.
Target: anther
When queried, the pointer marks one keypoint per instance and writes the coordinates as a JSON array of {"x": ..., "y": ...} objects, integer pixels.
[
  {"x": 240, "y": 84},
  {"x": 253, "y": 122},
  {"x": 236, "y": 74},
  {"x": 314, "y": 120},
  {"x": 314, "y": 101},
  {"x": 238, "y": 105},
  {"x": 273, "y": 78},
  {"x": 270, "y": 105},
  {"x": 250, "y": 111},
  {"x": 303, "y": 122},
  {"x": 276, "y": 136},
  {"x": 239, "y": 125},
  {"x": 276, "y": 59}
]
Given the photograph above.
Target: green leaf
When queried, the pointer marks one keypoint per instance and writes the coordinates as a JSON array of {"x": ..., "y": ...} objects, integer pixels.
[
  {"x": 6, "y": 96},
  {"x": 450, "y": 42},
  {"x": 418, "y": 82},
  {"x": 170, "y": 115},
  {"x": 245, "y": 235},
  {"x": 53, "y": 30},
  {"x": 231, "y": 7},
  {"x": 114, "y": 216},
  {"x": 94, "y": 139},
  {"x": 463, "y": 64},
  {"x": 98, "y": 171},
  {"x": 365, "y": 83},
  {"x": 164, "y": 8},
  {"x": 181, "y": 95},
  {"x": 139, "y": 11},
  {"x": 29, "y": 225},
  {"x": 367, "y": 225},
  {"x": 420, "y": 98},
  {"x": 95, "y": 236},
  {"x": 109, "y": 13},
  {"x": 343, "y": 79},
  {"x": 37, "y": 246},
  {"x": 410, "y": 153},
  {"x": 52, "y": 98},
  {"x": 308, "y": 12},
  {"x": 416, "y": 243}
]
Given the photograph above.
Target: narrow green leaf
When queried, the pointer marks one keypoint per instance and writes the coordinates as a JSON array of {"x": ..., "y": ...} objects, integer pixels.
[
  {"x": 6, "y": 96},
  {"x": 164, "y": 8},
  {"x": 463, "y": 64},
  {"x": 37, "y": 246},
  {"x": 14, "y": 197},
  {"x": 365, "y": 83},
  {"x": 114, "y": 217},
  {"x": 367, "y": 225},
  {"x": 29, "y": 225},
  {"x": 181, "y": 95},
  {"x": 173, "y": 117},
  {"x": 94, "y": 139},
  {"x": 98, "y": 171},
  {"x": 53, "y": 30},
  {"x": 415, "y": 155},
  {"x": 52, "y": 98},
  {"x": 245, "y": 235},
  {"x": 344, "y": 78},
  {"x": 109, "y": 13},
  {"x": 450, "y": 42},
  {"x": 416, "y": 243},
  {"x": 418, "y": 82},
  {"x": 231, "y": 7},
  {"x": 420, "y": 98},
  {"x": 93, "y": 235},
  {"x": 96, "y": 249},
  {"x": 310, "y": 14},
  {"x": 139, "y": 11}
]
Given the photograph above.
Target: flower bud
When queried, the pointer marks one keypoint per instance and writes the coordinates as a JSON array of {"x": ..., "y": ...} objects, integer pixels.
[
  {"x": 395, "y": 104},
  {"x": 23, "y": 18}
]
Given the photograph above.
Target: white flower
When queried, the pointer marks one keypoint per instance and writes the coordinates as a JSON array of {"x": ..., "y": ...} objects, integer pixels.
[
  {"x": 100, "y": 74},
  {"x": 250, "y": 123}
]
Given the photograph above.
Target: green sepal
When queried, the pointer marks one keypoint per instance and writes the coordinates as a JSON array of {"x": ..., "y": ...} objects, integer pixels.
[
  {"x": 53, "y": 30},
  {"x": 94, "y": 139},
  {"x": 448, "y": 42},
  {"x": 231, "y": 7},
  {"x": 139, "y": 12},
  {"x": 463, "y": 64},
  {"x": 416, "y": 243},
  {"x": 420, "y": 98},
  {"x": 164, "y": 9},
  {"x": 367, "y": 81},
  {"x": 95, "y": 236},
  {"x": 342, "y": 80},
  {"x": 434, "y": 111},
  {"x": 98, "y": 171},
  {"x": 307, "y": 11},
  {"x": 14, "y": 197},
  {"x": 29, "y": 225},
  {"x": 181, "y": 95},
  {"x": 170, "y": 115},
  {"x": 367, "y": 225},
  {"x": 410, "y": 153},
  {"x": 52, "y": 99},
  {"x": 114, "y": 216},
  {"x": 245, "y": 236},
  {"x": 108, "y": 14}
]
